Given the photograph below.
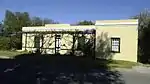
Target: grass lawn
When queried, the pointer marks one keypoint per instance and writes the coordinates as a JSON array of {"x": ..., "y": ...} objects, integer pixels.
[
  {"x": 11, "y": 53},
  {"x": 111, "y": 64},
  {"x": 122, "y": 64}
]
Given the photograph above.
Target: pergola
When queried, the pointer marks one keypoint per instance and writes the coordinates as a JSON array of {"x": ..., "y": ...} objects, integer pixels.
[{"x": 74, "y": 34}]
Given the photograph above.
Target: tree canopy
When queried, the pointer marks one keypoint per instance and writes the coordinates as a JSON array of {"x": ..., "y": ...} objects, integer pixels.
[
  {"x": 85, "y": 22},
  {"x": 14, "y": 21},
  {"x": 143, "y": 36}
]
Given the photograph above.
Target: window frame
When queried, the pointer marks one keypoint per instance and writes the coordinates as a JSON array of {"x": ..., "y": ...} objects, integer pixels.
[{"x": 114, "y": 39}]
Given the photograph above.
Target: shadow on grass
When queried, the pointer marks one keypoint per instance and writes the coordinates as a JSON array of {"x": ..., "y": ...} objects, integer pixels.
[{"x": 49, "y": 69}]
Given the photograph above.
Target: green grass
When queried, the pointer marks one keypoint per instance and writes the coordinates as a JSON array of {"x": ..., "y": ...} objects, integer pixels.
[
  {"x": 11, "y": 53},
  {"x": 122, "y": 64}
]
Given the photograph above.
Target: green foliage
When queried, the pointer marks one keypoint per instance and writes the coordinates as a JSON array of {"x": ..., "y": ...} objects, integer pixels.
[
  {"x": 14, "y": 21},
  {"x": 1, "y": 27},
  {"x": 143, "y": 36},
  {"x": 16, "y": 42},
  {"x": 37, "y": 21},
  {"x": 49, "y": 21},
  {"x": 103, "y": 47},
  {"x": 9, "y": 21},
  {"x": 12, "y": 54},
  {"x": 121, "y": 64},
  {"x": 144, "y": 21},
  {"x": 4, "y": 43},
  {"x": 85, "y": 22}
]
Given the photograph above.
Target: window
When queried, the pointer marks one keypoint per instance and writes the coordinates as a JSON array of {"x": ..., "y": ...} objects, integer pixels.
[
  {"x": 58, "y": 42},
  {"x": 115, "y": 45}
]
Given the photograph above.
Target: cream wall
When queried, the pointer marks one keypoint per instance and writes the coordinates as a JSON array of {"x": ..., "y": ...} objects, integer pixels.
[{"x": 128, "y": 35}]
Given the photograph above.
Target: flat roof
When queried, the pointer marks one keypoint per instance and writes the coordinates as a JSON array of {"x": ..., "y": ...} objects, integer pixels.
[
  {"x": 117, "y": 22},
  {"x": 70, "y": 28}
]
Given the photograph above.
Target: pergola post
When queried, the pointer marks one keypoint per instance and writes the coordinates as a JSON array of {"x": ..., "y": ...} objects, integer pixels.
[
  {"x": 94, "y": 52},
  {"x": 55, "y": 44},
  {"x": 25, "y": 41},
  {"x": 73, "y": 44}
]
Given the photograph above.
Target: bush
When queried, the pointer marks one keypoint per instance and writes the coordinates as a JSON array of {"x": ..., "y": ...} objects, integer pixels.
[
  {"x": 4, "y": 43},
  {"x": 16, "y": 42},
  {"x": 103, "y": 47},
  {"x": 9, "y": 43}
]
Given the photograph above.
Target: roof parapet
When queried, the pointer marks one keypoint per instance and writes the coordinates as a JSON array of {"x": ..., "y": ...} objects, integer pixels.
[
  {"x": 56, "y": 25},
  {"x": 117, "y": 22}
]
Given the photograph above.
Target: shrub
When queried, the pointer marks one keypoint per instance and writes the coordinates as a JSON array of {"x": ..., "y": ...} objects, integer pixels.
[
  {"x": 4, "y": 43},
  {"x": 103, "y": 47}
]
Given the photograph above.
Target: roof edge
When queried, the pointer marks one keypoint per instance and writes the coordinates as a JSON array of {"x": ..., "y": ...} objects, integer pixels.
[{"x": 117, "y": 22}]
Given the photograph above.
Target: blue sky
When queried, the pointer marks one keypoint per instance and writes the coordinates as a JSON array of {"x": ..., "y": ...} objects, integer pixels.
[{"x": 71, "y": 11}]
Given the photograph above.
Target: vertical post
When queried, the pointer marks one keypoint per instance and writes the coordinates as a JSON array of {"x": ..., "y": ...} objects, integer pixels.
[
  {"x": 73, "y": 44},
  {"x": 26, "y": 42},
  {"x": 55, "y": 44},
  {"x": 94, "y": 45},
  {"x": 42, "y": 42},
  {"x": 39, "y": 47}
]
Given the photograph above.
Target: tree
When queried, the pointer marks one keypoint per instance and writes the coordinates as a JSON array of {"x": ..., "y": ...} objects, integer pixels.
[
  {"x": 49, "y": 21},
  {"x": 143, "y": 36},
  {"x": 9, "y": 21},
  {"x": 85, "y": 22},
  {"x": 1, "y": 26},
  {"x": 37, "y": 21},
  {"x": 144, "y": 19},
  {"x": 14, "y": 21}
]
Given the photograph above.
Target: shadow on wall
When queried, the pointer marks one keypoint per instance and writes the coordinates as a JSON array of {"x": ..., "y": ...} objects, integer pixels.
[
  {"x": 103, "y": 47},
  {"x": 52, "y": 69}
]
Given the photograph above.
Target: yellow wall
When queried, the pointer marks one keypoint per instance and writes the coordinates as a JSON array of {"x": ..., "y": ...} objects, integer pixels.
[{"x": 129, "y": 39}]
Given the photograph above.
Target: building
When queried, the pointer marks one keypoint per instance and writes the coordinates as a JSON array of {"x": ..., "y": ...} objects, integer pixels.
[{"x": 121, "y": 36}]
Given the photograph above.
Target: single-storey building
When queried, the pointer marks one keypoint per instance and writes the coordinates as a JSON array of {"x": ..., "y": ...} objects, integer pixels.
[{"x": 120, "y": 35}]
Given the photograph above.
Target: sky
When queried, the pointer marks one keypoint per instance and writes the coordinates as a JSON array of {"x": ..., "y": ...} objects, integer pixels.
[{"x": 72, "y": 11}]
